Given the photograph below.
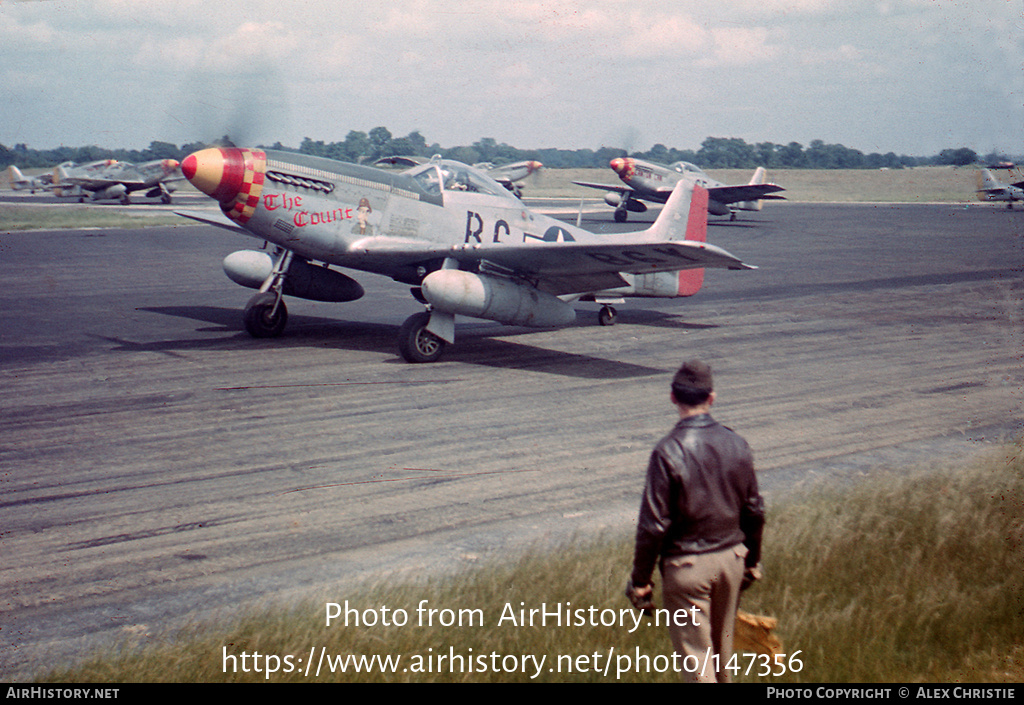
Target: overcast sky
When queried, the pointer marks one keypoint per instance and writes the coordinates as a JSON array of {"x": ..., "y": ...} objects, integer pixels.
[{"x": 908, "y": 76}]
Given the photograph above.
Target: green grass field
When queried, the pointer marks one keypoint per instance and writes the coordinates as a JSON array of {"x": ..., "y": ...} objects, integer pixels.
[
  {"x": 912, "y": 576},
  {"x": 918, "y": 185},
  {"x": 68, "y": 217}
]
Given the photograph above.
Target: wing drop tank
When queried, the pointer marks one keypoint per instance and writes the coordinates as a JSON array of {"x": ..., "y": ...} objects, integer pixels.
[
  {"x": 496, "y": 299},
  {"x": 307, "y": 281}
]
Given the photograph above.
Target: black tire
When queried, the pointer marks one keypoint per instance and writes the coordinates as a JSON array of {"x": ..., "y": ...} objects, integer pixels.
[
  {"x": 416, "y": 343},
  {"x": 606, "y": 316},
  {"x": 258, "y": 320},
  {"x": 620, "y": 216}
]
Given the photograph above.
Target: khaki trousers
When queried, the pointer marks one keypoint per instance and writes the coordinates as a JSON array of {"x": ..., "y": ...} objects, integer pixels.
[{"x": 709, "y": 582}]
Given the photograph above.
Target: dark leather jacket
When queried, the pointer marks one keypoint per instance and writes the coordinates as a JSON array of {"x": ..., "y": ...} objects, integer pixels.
[{"x": 700, "y": 496}]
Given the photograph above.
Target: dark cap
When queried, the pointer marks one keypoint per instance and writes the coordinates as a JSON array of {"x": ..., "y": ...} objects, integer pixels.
[{"x": 692, "y": 383}]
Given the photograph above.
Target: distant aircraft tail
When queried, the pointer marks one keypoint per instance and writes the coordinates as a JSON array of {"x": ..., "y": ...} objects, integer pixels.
[
  {"x": 59, "y": 176},
  {"x": 15, "y": 178},
  {"x": 987, "y": 182},
  {"x": 760, "y": 176}
]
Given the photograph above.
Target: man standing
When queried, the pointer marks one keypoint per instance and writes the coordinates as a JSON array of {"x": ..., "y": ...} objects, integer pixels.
[{"x": 702, "y": 515}]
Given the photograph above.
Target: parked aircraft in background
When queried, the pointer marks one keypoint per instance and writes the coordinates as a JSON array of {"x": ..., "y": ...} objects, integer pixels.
[
  {"x": 507, "y": 174},
  {"x": 464, "y": 243},
  {"x": 45, "y": 182},
  {"x": 647, "y": 181},
  {"x": 20, "y": 182},
  {"x": 67, "y": 175},
  {"x": 111, "y": 179},
  {"x": 991, "y": 189}
]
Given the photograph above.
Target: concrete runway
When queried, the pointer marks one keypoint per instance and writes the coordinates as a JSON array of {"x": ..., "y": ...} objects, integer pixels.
[{"x": 158, "y": 464}]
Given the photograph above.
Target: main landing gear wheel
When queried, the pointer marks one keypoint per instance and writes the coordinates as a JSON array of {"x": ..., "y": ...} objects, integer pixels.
[
  {"x": 416, "y": 343},
  {"x": 261, "y": 318},
  {"x": 620, "y": 216},
  {"x": 606, "y": 316}
]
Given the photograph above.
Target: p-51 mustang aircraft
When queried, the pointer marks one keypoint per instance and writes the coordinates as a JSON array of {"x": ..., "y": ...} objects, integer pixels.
[
  {"x": 991, "y": 189},
  {"x": 647, "y": 181},
  {"x": 466, "y": 244},
  {"x": 116, "y": 180}
]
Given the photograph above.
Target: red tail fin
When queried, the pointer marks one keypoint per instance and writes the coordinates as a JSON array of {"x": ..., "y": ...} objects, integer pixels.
[{"x": 691, "y": 280}]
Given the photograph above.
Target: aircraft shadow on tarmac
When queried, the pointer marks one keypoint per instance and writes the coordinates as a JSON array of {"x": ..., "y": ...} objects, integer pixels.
[
  {"x": 660, "y": 319},
  {"x": 475, "y": 345},
  {"x": 825, "y": 288}
]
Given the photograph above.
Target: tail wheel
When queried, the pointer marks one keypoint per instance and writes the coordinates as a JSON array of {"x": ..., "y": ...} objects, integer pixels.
[
  {"x": 416, "y": 343},
  {"x": 261, "y": 318},
  {"x": 606, "y": 316}
]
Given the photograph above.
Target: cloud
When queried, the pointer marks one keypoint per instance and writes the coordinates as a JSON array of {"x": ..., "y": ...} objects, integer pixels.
[
  {"x": 17, "y": 34},
  {"x": 741, "y": 46}
]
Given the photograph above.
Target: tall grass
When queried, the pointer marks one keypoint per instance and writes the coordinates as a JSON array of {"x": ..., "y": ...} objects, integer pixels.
[
  {"x": 905, "y": 577},
  {"x": 915, "y": 576}
]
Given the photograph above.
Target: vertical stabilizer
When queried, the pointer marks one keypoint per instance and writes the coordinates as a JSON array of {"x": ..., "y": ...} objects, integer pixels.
[
  {"x": 986, "y": 181},
  {"x": 759, "y": 177},
  {"x": 59, "y": 176},
  {"x": 685, "y": 217}
]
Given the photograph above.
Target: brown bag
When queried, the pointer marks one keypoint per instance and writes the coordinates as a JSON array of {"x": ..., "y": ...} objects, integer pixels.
[{"x": 754, "y": 634}]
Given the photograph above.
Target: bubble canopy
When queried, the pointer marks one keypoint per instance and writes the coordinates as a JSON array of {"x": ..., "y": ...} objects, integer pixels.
[{"x": 455, "y": 176}]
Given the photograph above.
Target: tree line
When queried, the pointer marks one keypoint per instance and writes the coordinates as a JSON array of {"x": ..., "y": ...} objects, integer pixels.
[{"x": 714, "y": 153}]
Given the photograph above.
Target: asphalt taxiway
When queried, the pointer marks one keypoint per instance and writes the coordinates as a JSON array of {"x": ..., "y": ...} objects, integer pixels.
[{"x": 160, "y": 464}]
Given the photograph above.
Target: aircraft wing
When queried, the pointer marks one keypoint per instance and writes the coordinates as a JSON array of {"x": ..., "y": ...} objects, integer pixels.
[
  {"x": 747, "y": 192},
  {"x": 662, "y": 193},
  {"x": 615, "y": 256},
  {"x": 572, "y": 268},
  {"x": 562, "y": 268},
  {"x": 88, "y": 183},
  {"x": 617, "y": 188}
]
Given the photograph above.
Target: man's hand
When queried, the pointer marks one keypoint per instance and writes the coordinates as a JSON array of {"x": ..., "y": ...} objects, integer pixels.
[
  {"x": 642, "y": 597},
  {"x": 750, "y": 576}
]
